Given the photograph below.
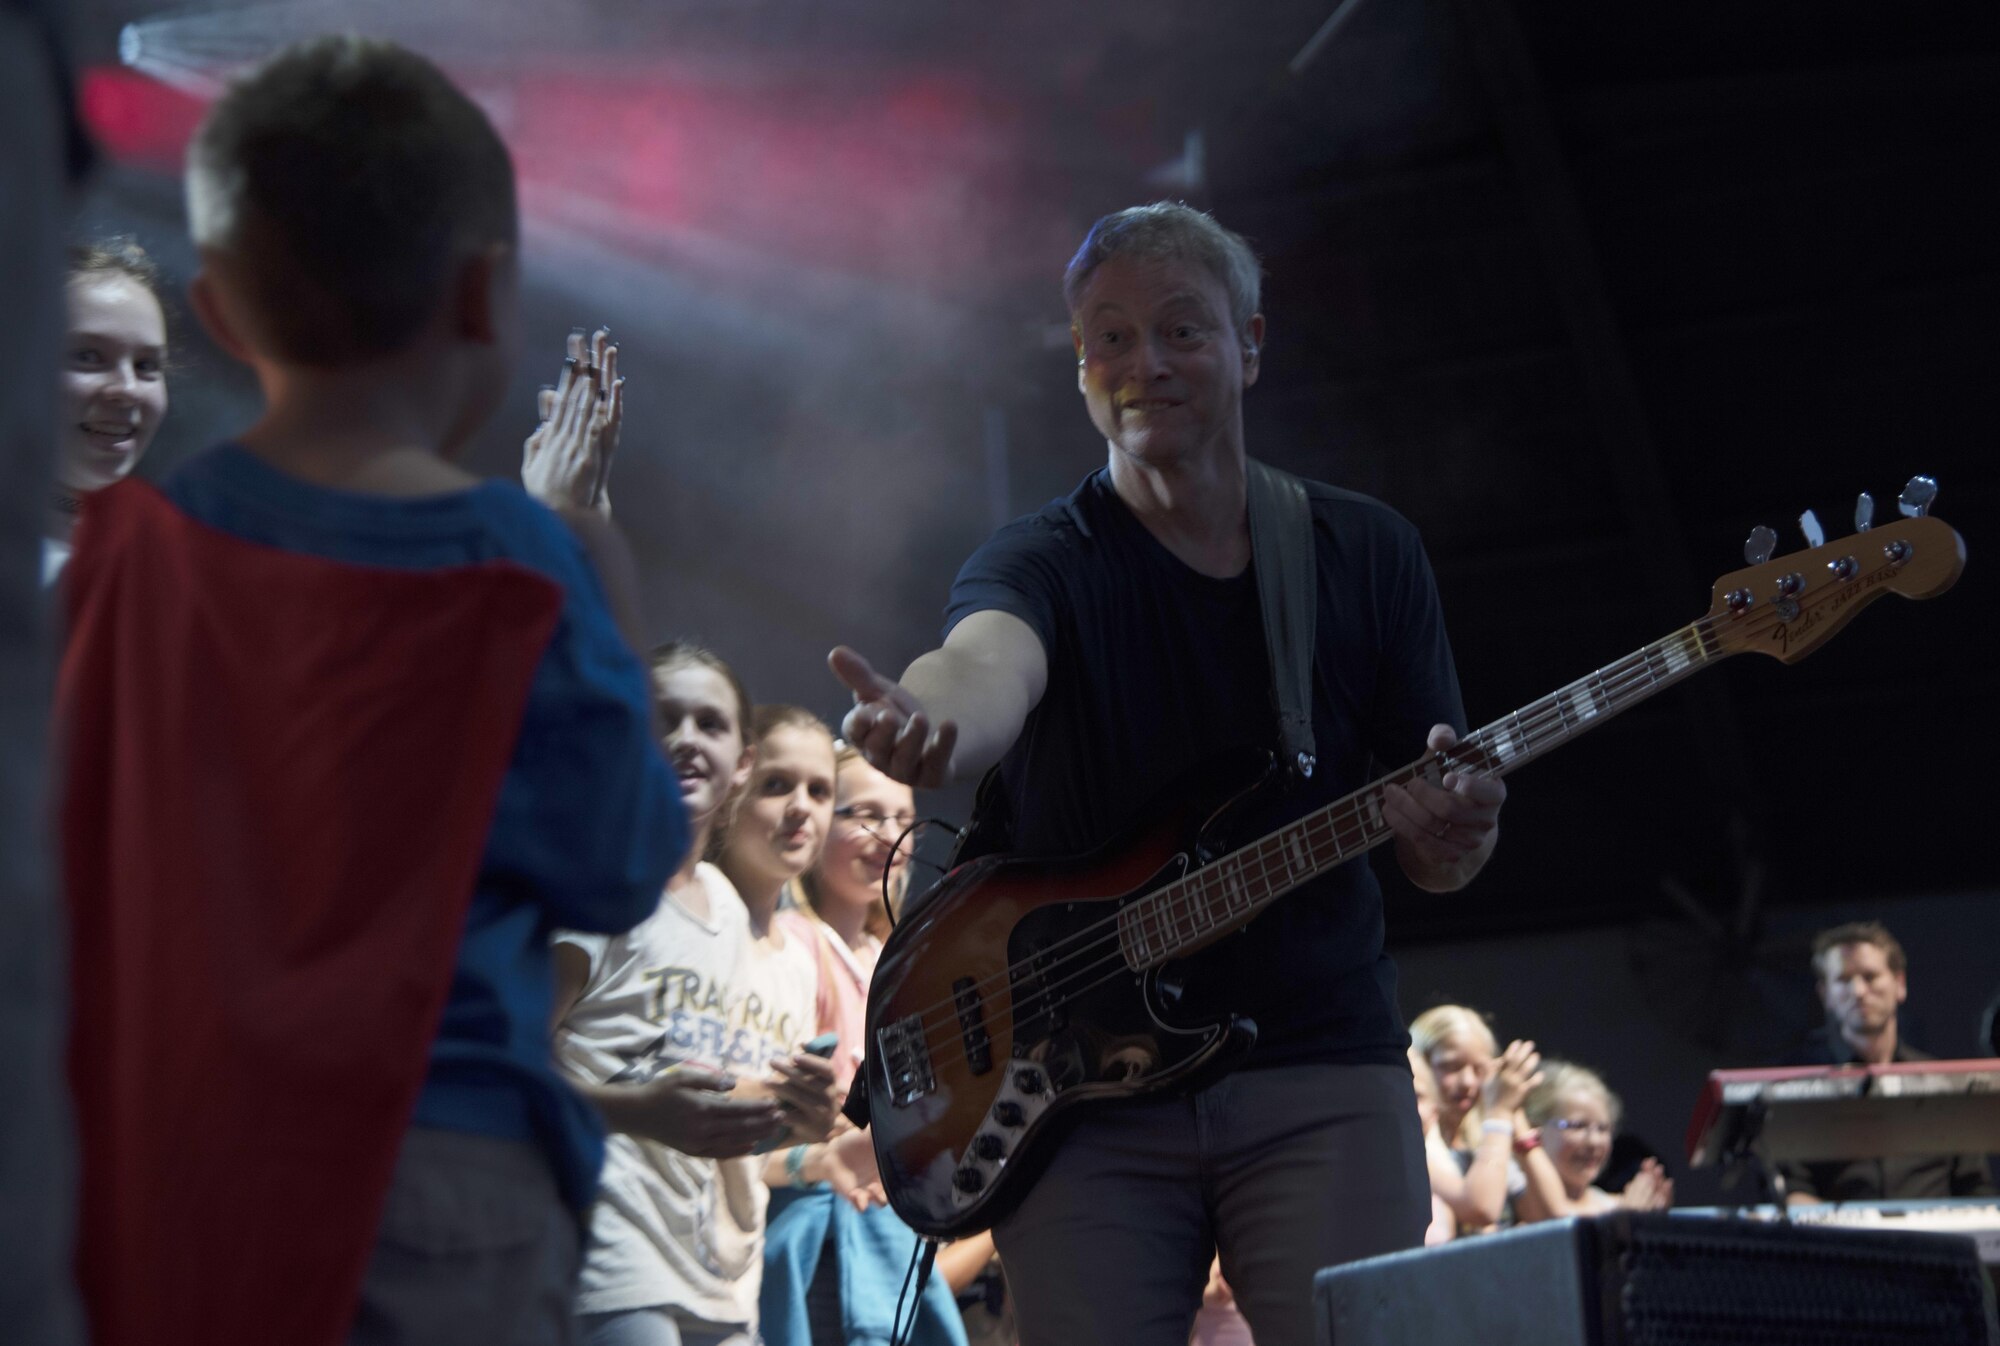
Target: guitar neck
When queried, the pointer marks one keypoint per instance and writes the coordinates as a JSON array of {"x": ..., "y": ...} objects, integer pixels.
[{"x": 1217, "y": 898}]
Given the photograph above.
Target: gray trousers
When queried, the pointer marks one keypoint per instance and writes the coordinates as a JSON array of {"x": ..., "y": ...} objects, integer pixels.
[
  {"x": 1284, "y": 1170},
  {"x": 476, "y": 1249}
]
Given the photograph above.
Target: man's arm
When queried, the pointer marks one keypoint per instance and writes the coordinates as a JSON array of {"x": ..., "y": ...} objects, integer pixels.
[{"x": 956, "y": 710}]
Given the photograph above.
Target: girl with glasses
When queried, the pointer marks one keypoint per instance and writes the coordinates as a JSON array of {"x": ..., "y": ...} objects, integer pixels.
[{"x": 1576, "y": 1115}]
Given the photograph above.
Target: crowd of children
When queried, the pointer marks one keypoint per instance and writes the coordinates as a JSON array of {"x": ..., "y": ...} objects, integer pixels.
[{"x": 444, "y": 970}]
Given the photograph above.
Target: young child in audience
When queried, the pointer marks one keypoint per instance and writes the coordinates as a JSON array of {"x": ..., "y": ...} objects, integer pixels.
[
  {"x": 1444, "y": 1225},
  {"x": 668, "y": 1030},
  {"x": 1576, "y": 1115},
  {"x": 348, "y": 732},
  {"x": 845, "y": 915},
  {"x": 1218, "y": 1322},
  {"x": 834, "y": 1269},
  {"x": 114, "y": 380},
  {"x": 776, "y": 829},
  {"x": 1472, "y": 1164}
]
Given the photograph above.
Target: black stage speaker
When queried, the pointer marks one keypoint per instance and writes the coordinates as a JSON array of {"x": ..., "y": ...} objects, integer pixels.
[{"x": 1664, "y": 1280}]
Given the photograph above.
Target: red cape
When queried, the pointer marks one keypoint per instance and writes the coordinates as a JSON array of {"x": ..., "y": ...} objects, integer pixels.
[{"x": 280, "y": 773}]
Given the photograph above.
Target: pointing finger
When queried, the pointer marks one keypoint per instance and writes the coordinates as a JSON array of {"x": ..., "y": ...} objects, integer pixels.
[{"x": 858, "y": 674}]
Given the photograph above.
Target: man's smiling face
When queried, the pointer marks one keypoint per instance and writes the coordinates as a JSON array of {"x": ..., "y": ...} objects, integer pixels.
[{"x": 1160, "y": 364}]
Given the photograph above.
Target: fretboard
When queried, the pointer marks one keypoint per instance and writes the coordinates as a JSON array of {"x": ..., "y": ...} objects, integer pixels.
[{"x": 1225, "y": 894}]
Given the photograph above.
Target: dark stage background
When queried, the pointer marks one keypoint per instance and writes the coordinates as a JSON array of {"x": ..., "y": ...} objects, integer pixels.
[{"x": 1585, "y": 291}]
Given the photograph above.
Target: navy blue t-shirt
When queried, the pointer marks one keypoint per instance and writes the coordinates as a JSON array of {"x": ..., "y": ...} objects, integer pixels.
[{"x": 1156, "y": 669}]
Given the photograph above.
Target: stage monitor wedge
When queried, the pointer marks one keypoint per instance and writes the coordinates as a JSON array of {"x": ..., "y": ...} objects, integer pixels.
[{"x": 1664, "y": 1280}]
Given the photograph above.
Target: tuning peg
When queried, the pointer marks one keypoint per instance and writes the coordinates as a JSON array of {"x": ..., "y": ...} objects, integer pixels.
[
  {"x": 1915, "y": 501},
  {"x": 1758, "y": 546},
  {"x": 1864, "y": 513},
  {"x": 1809, "y": 525}
]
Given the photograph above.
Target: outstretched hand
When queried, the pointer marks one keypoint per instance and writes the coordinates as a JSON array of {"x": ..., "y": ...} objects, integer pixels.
[
  {"x": 566, "y": 462},
  {"x": 1446, "y": 822},
  {"x": 890, "y": 728}
]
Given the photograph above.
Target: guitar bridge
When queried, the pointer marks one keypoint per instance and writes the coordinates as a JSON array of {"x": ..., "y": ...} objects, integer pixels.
[{"x": 907, "y": 1058}]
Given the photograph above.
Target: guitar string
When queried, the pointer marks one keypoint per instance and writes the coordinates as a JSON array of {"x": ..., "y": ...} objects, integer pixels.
[
  {"x": 1548, "y": 715},
  {"x": 1337, "y": 821},
  {"x": 1626, "y": 673}
]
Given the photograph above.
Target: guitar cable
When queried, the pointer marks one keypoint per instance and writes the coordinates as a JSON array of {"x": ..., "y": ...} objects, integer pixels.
[
  {"x": 896, "y": 849},
  {"x": 923, "y": 1256}
]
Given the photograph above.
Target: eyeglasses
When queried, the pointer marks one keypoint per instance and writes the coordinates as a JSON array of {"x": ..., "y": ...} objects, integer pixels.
[
  {"x": 888, "y": 826},
  {"x": 1571, "y": 1128}
]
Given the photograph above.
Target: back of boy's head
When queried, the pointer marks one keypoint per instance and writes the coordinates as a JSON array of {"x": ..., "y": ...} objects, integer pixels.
[{"x": 347, "y": 179}]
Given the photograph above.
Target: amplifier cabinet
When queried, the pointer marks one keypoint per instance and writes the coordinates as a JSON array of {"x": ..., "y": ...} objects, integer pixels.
[{"x": 1628, "y": 1279}]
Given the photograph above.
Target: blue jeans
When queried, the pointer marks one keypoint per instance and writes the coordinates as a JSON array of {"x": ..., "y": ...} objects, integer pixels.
[
  {"x": 1285, "y": 1170},
  {"x": 659, "y": 1327}
]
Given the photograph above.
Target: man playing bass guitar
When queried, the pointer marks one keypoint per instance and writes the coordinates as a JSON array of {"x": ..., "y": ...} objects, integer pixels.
[{"x": 1112, "y": 643}]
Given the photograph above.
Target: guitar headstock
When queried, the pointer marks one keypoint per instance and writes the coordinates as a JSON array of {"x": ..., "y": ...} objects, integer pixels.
[{"x": 1789, "y": 606}]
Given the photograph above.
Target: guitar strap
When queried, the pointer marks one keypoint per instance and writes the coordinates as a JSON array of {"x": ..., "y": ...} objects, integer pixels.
[{"x": 1281, "y": 548}]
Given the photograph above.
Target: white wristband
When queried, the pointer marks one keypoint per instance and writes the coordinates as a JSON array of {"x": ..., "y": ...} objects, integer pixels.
[{"x": 1494, "y": 1126}]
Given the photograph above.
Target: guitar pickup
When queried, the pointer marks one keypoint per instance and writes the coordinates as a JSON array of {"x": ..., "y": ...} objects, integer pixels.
[
  {"x": 1038, "y": 1011},
  {"x": 906, "y": 1058},
  {"x": 972, "y": 1025}
]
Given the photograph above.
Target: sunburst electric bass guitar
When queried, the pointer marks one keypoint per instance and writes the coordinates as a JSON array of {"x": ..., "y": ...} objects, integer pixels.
[{"x": 1020, "y": 990}]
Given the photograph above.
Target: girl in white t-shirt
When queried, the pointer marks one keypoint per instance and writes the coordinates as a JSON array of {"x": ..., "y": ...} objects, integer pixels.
[{"x": 663, "y": 1028}]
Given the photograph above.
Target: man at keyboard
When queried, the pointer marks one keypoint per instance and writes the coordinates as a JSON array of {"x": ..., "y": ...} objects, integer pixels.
[{"x": 1862, "y": 977}]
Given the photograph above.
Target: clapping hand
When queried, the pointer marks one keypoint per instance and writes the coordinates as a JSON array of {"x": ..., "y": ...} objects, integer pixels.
[
  {"x": 566, "y": 462},
  {"x": 1517, "y": 1072},
  {"x": 1649, "y": 1189}
]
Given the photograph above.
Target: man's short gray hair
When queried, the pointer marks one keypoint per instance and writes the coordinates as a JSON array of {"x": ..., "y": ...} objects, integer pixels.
[
  {"x": 350, "y": 177},
  {"x": 1170, "y": 229}
]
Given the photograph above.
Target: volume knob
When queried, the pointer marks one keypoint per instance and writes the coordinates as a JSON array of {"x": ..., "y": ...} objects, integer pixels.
[
  {"x": 989, "y": 1147},
  {"x": 968, "y": 1180},
  {"x": 1008, "y": 1113}
]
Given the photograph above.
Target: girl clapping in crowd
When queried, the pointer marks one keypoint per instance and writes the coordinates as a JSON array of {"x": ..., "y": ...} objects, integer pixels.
[
  {"x": 1575, "y": 1114},
  {"x": 1480, "y": 1090}
]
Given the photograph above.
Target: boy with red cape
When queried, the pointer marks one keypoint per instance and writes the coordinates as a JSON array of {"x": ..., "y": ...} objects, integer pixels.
[{"x": 347, "y": 733}]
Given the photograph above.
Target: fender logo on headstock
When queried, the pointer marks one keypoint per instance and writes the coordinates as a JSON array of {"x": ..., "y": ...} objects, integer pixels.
[{"x": 1809, "y": 617}]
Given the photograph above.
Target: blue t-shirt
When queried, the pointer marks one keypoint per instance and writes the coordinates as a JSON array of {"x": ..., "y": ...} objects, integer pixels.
[
  {"x": 589, "y": 823},
  {"x": 1156, "y": 669}
]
